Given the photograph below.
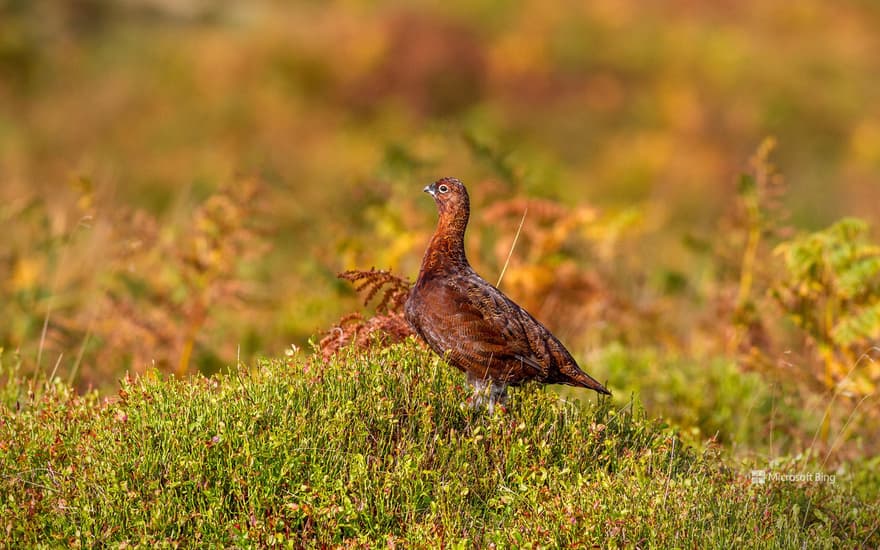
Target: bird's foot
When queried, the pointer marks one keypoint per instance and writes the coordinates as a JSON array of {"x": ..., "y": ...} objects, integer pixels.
[
  {"x": 497, "y": 406},
  {"x": 488, "y": 394}
]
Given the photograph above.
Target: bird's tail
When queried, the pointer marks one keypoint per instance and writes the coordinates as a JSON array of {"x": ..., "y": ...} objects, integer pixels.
[{"x": 584, "y": 380}]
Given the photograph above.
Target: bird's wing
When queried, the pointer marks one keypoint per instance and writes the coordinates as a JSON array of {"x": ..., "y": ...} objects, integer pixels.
[
  {"x": 528, "y": 341},
  {"x": 488, "y": 325},
  {"x": 475, "y": 327}
]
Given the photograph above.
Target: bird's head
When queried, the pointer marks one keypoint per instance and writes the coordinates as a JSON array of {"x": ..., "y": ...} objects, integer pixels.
[{"x": 451, "y": 197}]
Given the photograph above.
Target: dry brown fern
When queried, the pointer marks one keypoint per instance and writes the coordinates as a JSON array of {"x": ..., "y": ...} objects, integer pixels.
[
  {"x": 160, "y": 290},
  {"x": 353, "y": 329},
  {"x": 394, "y": 289},
  {"x": 387, "y": 326}
]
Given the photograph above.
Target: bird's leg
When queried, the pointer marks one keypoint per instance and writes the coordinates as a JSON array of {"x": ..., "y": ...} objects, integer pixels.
[
  {"x": 497, "y": 396},
  {"x": 487, "y": 392},
  {"x": 481, "y": 391}
]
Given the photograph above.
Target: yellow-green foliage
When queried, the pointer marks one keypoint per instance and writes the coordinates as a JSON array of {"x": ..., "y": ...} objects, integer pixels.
[
  {"x": 831, "y": 290},
  {"x": 375, "y": 449}
]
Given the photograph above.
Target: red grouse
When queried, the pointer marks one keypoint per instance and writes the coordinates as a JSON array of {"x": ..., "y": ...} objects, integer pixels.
[{"x": 472, "y": 324}]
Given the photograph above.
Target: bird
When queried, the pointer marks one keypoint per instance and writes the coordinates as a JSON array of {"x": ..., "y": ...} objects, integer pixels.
[{"x": 474, "y": 326}]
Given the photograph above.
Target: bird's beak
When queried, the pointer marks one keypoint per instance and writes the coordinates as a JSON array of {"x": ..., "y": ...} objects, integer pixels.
[{"x": 429, "y": 189}]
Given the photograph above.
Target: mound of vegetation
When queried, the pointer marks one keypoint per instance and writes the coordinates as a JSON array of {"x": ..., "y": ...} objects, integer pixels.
[{"x": 374, "y": 447}]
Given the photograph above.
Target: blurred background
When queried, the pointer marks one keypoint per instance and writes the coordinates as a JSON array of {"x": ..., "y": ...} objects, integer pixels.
[{"x": 181, "y": 181}]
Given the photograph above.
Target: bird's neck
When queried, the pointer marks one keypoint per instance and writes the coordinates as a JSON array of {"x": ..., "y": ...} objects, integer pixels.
[{"x": 446, "y": 250}]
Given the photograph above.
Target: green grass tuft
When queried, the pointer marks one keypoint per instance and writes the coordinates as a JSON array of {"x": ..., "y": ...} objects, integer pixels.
[{"x": 375, "y": 448}]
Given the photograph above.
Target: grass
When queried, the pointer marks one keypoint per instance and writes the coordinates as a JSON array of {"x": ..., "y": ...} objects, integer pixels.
[{"x": 375, "y": 448}]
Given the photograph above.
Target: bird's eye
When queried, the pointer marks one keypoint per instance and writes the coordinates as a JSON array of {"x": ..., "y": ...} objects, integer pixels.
[{"x": 443, "y": 188}]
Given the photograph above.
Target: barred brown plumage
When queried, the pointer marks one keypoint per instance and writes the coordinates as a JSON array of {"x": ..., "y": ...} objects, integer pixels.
[{"x": 472, "y": 324}]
